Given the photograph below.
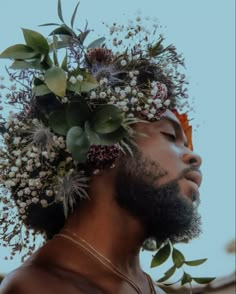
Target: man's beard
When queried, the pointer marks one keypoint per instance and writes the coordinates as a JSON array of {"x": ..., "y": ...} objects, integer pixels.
[{"x": 162, "y": 210}]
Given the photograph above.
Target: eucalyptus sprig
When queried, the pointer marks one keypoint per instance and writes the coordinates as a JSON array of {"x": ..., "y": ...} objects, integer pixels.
[{"x": 167, "y": 250}]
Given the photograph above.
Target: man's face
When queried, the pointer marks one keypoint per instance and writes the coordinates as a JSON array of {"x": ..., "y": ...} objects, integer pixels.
[{"x": 159, "y": 184}]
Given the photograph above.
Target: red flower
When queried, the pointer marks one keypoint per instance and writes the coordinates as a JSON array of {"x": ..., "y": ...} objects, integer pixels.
[{"x": 184, "y": 121}]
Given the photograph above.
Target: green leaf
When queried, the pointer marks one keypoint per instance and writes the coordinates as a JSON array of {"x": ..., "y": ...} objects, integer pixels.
[
  {"x": 161, "y": 256},
  {"x": 74, "y": 15},
  {"x": 59, "y": 11},
  {"x": 62, "y": 30},
  {"x": 49, "y": 24},
  {"x": 96, "y": 43},
  {"x": 168, "y": 274},
  {"x": 21, "y": 64},
  {"x": 59, "y": 45},
  {"x": 186, "y": 278},
  {"x": 89, "y": 83},
  {"x": 195, "y": 262},
  {"x": 178, "y": 258},
  {"x": 19, "y": 51},
  {"x": 36, "y": 41},
  {"x": 156, "y": 49},
  {"x": 64, "y": 63},
  {"x": 92, "y": 136},
  {"x": 47, "y": 63},
  {"x": 41, "y": 90},
  {"x": 55, "y": 79},
  {"x": 114, "y": 137},
  {"x": 82, "y": 36},
  {"x": 107, "y": 119},
  {"x": 77, "y": 113},
  {"x": 58, "y": 123},
  {"x": 55, "y": 58},
  {"x": 203, "y": 280},
  {"x": 37, "y": 82},
  {"x": 78, "y": 144}
]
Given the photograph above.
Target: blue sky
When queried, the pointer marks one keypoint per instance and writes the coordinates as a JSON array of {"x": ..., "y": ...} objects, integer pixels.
[{"x": 204, "y": 31}]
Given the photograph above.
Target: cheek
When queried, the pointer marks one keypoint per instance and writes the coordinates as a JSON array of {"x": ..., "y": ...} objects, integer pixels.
[{"x": 167, "y": 155}]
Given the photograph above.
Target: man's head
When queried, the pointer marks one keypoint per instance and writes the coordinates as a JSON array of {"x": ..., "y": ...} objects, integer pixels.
[
  {"x": 159, "y": 184},
  {"x": 78, "y": 118}
]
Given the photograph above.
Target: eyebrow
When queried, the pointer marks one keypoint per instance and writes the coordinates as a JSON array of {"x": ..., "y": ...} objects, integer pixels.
[{"x": 178, "y": 128}]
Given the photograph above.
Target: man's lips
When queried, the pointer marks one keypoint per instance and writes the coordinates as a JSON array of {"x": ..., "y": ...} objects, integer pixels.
[{"x": 195, "y": 177}]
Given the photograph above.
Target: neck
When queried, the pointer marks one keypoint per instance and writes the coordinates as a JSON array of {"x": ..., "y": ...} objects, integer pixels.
[{"x": 109, "y": 230}]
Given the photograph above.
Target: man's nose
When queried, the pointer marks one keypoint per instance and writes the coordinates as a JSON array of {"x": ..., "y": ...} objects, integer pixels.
[{"x": 193, "y": 159}]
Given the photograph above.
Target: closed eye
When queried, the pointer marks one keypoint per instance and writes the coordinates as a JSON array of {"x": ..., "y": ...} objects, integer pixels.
[{"x": 171, "y": 137}]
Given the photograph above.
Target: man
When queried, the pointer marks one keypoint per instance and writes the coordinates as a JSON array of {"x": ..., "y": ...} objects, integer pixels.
[
  {"x": 150, "y": 195},
  {"x": 108, "y": 118}
]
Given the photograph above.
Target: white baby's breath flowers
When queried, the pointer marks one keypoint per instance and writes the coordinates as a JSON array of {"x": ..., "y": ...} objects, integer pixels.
[
  {"x": 133, "y": 100},
  {"x": 34, "y": 193},
  {"x": 64, "y": 100},
  {"x": 122, "y": 94},
  {"x": 73, "y": 80},
  {"x": 6, "y": 136},
  {"x": 133, "y": 82},
  {"x": 49, "y": 193},
  {"x": 20, "y": 193},
  {"x": 128, "y": 89},
  {"x": 117, "y": 90},
  {"x": 42, "y": 174},
  {"x": 113, "y": 99},
  {"x": 125, "y": 108},
  {"x": 123, "y": 62},
  {"x": 14, "y": 169},
  {"x": 103, "y": 81},
  {"x": 22, "y": 211},
  {"x": 27, "y": 191},
  {"x": 22, "y": 204},
  {"x": 80, "y": 78},
  {"x": 11, "y": 174},
  {"x": 158, "y": 106},
  {"x": 158, "y": 101},
  {"x": 41, "y": 77},
  {"x": 153, "y": 111},
  {"x": 150, "y": 115},
  {"x": 167, "y": 103},
  {"x": 103, "y": 95},
  {"x": 44, "y": 203},
  {"x": 35, "y": 200}
]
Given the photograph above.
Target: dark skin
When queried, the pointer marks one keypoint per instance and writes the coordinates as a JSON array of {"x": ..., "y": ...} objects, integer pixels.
[{"x": 62, "y": 266}]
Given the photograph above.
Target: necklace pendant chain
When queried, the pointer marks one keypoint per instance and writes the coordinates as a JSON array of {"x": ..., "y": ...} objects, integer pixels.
[{"x": 101, "y": 258}]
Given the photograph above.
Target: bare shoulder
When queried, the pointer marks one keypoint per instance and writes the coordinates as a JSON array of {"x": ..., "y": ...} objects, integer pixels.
[
  {"x": 25, "y": 280},
  {"x": 33, "y": 279},
  {"x": 37, "y": 280}
]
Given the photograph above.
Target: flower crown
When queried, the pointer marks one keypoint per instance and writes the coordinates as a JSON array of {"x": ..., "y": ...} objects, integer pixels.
[{"x": 76, "y": 114}]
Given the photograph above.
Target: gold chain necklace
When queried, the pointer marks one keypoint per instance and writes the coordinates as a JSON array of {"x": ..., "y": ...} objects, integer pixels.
[{"x": 91, "y": 250}]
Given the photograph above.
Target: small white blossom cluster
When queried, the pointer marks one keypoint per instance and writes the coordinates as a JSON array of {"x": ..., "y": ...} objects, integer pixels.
[
  {"x": 73, "y": 80},
  {"x": 27, "y": 169},
  {"x": 131, "y": 98}
]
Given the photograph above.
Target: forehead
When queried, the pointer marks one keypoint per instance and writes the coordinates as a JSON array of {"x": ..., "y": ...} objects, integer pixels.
[{"x": 169, "y": 115}]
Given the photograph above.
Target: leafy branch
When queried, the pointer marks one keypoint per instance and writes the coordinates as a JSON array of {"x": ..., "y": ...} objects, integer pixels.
[{"x": 179, "y": 261}]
